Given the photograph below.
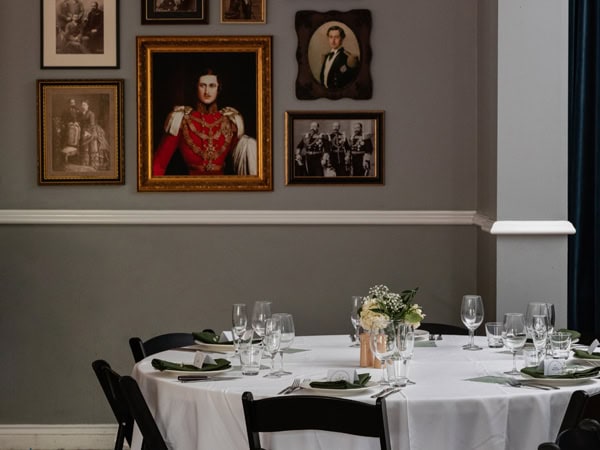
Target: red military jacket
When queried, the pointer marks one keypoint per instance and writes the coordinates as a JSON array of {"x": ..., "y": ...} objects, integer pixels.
[{"x": 204, "y": 139}]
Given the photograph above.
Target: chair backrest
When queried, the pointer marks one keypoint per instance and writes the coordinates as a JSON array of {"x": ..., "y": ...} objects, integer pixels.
[
  {"x": 582, "y": 405},
  {"x": 443, "y": 328},
  {"x": 140, "y": 349},
  {"x": 138, "y": 407},
  {"x": 314, "y": 412},
  {"x": 583, "y": 436},
  {"x": 109, "y": 381}
]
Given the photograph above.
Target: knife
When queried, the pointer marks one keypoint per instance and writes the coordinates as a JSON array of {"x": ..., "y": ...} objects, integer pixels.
[{"x": 187, "y": 378}]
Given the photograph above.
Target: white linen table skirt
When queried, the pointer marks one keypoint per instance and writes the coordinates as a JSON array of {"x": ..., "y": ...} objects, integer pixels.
[{"x": 441, "y": 411}]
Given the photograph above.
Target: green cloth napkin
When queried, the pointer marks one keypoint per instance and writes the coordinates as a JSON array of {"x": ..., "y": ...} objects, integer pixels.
[
  {"x": 363, "y": 379},
  {"x": 161, "y": 364},
  {"x": 574, "y": 334},
  {"x": 584, "y": 354},
  {"x": 539, "y": 373},
  {"x": 208, "y": 337}
]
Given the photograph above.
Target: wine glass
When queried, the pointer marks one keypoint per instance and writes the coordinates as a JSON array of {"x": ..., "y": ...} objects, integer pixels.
[
  {"x": 405, "y": 344},
  {"x": 538, "y": 330},
  {"x": 534, "y": 309},
  {"x": 239, "y": 322},
  {"x": 383, "y": 345},
  {"x": 286, "y": 322},
  {"x": 271, "y": 343},
  {"x": 514, "y": 336},
  {"x": 260, "y": 313},
  {"x": 357, "y": 302},
  {"x": 471, "y": 313}
]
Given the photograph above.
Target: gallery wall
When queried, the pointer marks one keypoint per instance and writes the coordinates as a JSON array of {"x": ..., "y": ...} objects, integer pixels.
[{"x": 72, "y": 293}]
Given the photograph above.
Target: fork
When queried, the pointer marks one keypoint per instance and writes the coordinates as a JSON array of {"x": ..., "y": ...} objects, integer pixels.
[
  {"x": 295, "y": 384},
  {"x": 515, "y": 383}
]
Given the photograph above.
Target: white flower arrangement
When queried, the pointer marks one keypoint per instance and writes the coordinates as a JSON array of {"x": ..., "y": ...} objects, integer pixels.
[{"x": 382, "y": 306}]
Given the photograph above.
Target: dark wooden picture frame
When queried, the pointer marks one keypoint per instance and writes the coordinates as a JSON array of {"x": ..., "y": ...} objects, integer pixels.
[
  {"x": 185, "y": 144},
  {"x": 76, "y": 35},
  {"x": 159, "y": 12},
  {"x": 346, "y": 73},
  {"x": 334, "y": 147},
  {"x": 244, "y": 11},
  {"x": 80, "y": 132}
]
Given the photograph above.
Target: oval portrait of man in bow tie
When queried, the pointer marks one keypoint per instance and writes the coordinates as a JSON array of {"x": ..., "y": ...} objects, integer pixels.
[{"x": 333, "y": 54}]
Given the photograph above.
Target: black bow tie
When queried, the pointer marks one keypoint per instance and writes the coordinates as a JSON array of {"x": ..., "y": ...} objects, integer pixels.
[{"x": 330, "y": 55}]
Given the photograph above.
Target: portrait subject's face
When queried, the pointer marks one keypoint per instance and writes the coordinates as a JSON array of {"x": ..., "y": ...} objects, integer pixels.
[
  {"x": 335, "y": 39},
  {"x": 208, "y": 87}
]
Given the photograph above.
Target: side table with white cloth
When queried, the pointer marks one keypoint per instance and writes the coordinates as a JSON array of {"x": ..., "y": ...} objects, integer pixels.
[{"x": 443, "y": 410}]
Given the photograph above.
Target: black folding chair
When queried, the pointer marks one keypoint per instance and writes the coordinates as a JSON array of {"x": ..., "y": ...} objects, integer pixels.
[
  {"x": 584, "y": 436},
  {"x": 153, "y": 439},
  {"x": 109, "y": 381},
  {"x": 582, "y": 405},
  {"x": 443, "y": 328},
  {"x": 140, "y": 349},
  {"x": 314, "y": 412}
]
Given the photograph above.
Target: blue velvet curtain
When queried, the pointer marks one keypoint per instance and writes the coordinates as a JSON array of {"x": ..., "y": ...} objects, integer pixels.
[{"x": 584, "y": 166}]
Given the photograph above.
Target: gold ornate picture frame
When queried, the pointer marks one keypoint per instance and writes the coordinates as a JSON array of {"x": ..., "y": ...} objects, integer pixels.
[
  {"x": 187, "y": 142},
  {"x": 80, "y": 132}
]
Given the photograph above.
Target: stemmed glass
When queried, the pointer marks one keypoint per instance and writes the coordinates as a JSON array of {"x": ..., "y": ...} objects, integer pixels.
[
  {"x": 538, "y": 330},
  {"x": 239, "y": 322},
  {"x": 286, "y": 323},
  {"x": 271, "y": 343},
  {"x": 534, "y": 309},
  {"x": 260, "y": 313},
  {"x": 357, "y": 302},
  {"x": 383, "y": 345},
  {"x": 471, "y": 313},
  {"x": 514, "y": 336},
  {"x": 405, "y": 344}
]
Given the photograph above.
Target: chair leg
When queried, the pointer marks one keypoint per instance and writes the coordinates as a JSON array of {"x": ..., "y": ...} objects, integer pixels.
[{"x": 120, "y": 437}]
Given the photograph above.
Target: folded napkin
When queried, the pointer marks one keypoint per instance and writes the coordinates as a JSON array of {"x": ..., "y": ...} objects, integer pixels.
[
  {"x": 161, "y": 364},
  {"x": 539, "y": 373},
  {"x": 209, "y": 337},
  {"x": 574, "y": 334},
  {"x": 585, "y": 355},
  {"x": 363, "y": 379}
]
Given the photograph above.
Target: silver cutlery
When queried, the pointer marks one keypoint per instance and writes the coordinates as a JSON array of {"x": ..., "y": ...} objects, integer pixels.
[
  {"x": 527, "y": 383},
  {"x": 291, "y": 387},
  {"x": 191, "y": 378},
  {"x": 382, "y": 392},
  {"x": 390, "y": 392}
]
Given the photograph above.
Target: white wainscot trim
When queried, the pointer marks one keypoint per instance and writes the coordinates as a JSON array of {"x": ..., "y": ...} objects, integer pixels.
[
  {"x": 53, "y": 437},
  {"x": 235, "y": 217},
  {"x": 282, "y": 217}
]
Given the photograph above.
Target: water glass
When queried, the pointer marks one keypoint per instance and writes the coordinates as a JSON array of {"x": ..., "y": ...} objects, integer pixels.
[
  {"x": 357, "y": 302},
  {"x": 239, "y": 322},
  {"x": 514, "y": 337},
  {"x": 405, "y": 344},
  {"x": 288, "y": 333},
  {"x": 471, "y": 314},
  {"x": 560, "y": 343},
  {"x": 383, "y": 346},
  {"x": 493, "y": 331},
  {"x": 260, "y": 313},
  {"x": 271, "y": 343},
  {"x": 250, "y": 356}
]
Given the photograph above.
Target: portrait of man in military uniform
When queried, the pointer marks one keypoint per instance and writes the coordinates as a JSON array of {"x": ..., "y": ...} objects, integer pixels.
[{"x": 334, "y": 147}]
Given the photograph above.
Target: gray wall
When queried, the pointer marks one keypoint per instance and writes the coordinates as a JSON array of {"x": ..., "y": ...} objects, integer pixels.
[{"x": 73, "y": 293}]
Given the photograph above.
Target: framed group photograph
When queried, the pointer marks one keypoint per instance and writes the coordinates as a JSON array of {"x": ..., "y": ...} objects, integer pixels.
[
  {"x": 334, "y": 147},
  {"x": 80, "y": 132},
  {"x": 159, "y": 12},
  {"x": 204, "y": 113},
  {"x": 243, "y": 11},
  {"x": 80, "y": 34},
  {"x": 334, "y": 54}
]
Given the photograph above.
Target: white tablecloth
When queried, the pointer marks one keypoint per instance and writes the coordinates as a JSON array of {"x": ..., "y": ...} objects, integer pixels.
[{"x": 441, "y": 411}]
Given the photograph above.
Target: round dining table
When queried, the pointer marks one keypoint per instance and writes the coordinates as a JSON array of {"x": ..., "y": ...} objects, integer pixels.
[{"x": 457, "y": 401}]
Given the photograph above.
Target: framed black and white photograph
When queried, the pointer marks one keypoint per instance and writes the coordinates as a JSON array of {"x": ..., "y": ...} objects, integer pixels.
[
  {"x": 333, "y": 54},
  {"x": 80, "y": 34},
  {"x": 204, "y": 113},
  {"x": 80, "y": 132},
  {"x": 334, "y": 147},
  {"x": 244, "y": 11},
  {"x": 173, "y": 12}
]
